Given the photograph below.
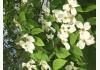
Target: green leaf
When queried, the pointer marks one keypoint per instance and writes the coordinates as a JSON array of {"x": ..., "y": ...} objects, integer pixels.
[
  {"x": 90, "y": 7},
  {"x": 62, "y": 53},
  {"x": 22, "y": 17},
  {"x": 82, "y": 68},
  {"x": 36, "y": 31},
  {"x": 40, "y": 55},
  {"x": 92, "y": 20},
  {"x": 50, "y": 18},
  {"x": 73, "y": 38},
  {"x": 58, "y": 63},
  {"x": 56, "y": 40},
  {"x": 79, "y": 9},
  {"x": 56, "y": 26},
  {"x": 39, "y": 42},
  {"x": 76, "y": 51},
  {"x": 79, "y": 18},
  {"x": 87, "y": 8}
]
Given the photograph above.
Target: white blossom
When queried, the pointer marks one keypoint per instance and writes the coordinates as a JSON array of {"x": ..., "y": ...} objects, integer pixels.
[
  {"x": 46, "y": 26},
  {"x": 90, "y": 40},
  {"x": 66, "y": 44},
  {"x": 50, "y": 36},
  {"x": 84, "y": 33},
  {"x": 71, "y": 67},
  {"x": 27, "y": 43},
  {"x": 63, "y": 35},
  {"x": 68, "y": 28},
  {"x": 30, "y": 65},
  {"x": 52, "y": 29},
  {"x": 44, "y": 65},
  {"x": 73, "y": 3},
  {"x": 85, "y": 26},
  {"x": 73, "y": 11},
  {"x": 28, "y": 38},
  {"x": 70, "y": 9},
  {"x": 71, "y": 29},
  {"x": 46, "y": 10},
  {"x": 58, "y": 15},
  {"x": 66, "y": 7},
  {"x": 85, "y": 37},
  {"x": 81, "y": 44},
  {"x": 27, "y": 46},
  {"x": 24, "y": 1}
]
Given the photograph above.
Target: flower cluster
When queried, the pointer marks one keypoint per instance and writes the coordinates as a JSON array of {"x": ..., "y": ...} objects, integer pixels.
[
  {"x": 69, "y": 24},
  {"x": 26, "y": 43},
  {"x": 30, "y": 65},
  {"x": 44, "y": 65},
  {"x": 24, "y": 1},
  {"x": 67, "y": 18},
  {"x": 71, "y": 67},
  {"x": 46, "y": 25}
]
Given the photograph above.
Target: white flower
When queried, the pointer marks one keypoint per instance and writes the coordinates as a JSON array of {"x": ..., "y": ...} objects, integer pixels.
[
  {"x": 63, "y": 35},
  {"x": 46, "y": 26},
  {"x": 68, "y": 18},
  {"x": 70, "y": 9},
  {"x": 28, "y": 38},
  {"x": 68, "y": 28},
  {"x": 44, "y": 65},
  {"x": 50, "y": 36},
  {"x": 90, "y": 40},
  {"x": 85, "y": 36},
  {"x": 81, "y": 44},
  {"x": 73, "y": 11},
  {"x": 41, "y": 19},
  {"x": 68, "y": 67},
  {"x": 27, "y": 46},
  {"x": 73, "y": 3},
  {"x": 30, "y": 65},
  {"x": 58, "y": 15},
  {"x": 27, "y": 43},
  {"x": 71, "y": 67},
  {"x": 86, "y": 25},
  {"x": 71, "y": 29},
  {"x": 52, "y": 29},
  {"x": 66, "y": 44},
  {"x": 66, "y": 7},
  {"x": 24, "y": 1},
  {"x": 24, "y": 64},
  {"x": 46, "y": 10}
]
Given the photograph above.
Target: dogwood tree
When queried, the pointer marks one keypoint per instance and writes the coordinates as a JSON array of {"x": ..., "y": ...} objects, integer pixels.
[{"x": 49, "y": 34}]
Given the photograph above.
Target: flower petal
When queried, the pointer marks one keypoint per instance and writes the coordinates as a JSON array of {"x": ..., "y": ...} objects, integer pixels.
[
  {"x": 79, "y": 24},
  {"x": 90, "y": 41},
  {"x": 72, "y": 29},
  {"x": 84, "y": 35},
  {"x": 73, "y": 11},
  {"x": 66, "y": 7},
  {"x": 67, "y": 46},
  {"x": 81, "y": 44},
  {"x": 73, "y": 3},
  {"x": 87, "y": 26}
]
